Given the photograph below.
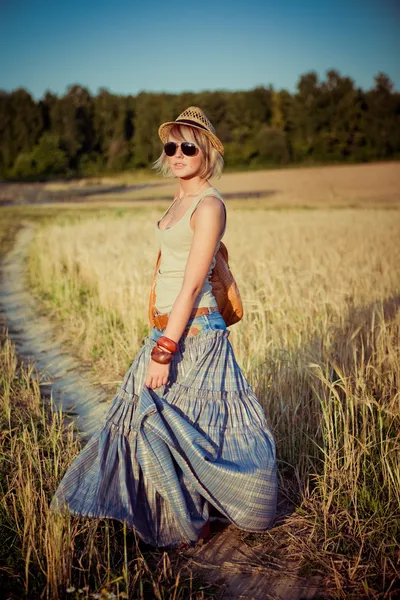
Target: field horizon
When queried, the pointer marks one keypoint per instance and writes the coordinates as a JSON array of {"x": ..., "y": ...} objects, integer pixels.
[{"x": 355, "y": 185}]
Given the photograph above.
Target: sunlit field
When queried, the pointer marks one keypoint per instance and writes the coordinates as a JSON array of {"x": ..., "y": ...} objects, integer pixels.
[
  {"x": 44, "y": 555},
  {"x": 366, "y": 185},
  {"x": 369, "y": 185},
  {"x": 319, "y": 342},
  {"x": 317, "y": 264}
]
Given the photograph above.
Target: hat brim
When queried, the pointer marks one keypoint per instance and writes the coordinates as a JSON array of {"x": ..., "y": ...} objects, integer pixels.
[{"x": 165, "y": 128}]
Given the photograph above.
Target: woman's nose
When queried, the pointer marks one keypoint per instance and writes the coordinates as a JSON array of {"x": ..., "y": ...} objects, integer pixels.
[{"x": 178, "y": 150}]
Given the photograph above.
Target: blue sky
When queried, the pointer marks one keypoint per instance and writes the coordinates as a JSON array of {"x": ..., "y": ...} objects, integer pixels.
[{"x": 129, "y": 46}]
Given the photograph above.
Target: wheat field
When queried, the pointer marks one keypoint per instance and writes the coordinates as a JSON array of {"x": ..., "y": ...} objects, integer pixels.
[
  {"x": 54, "y": 556},
  {"x": 300, "y": 274},
  {"x": 368, "y": 185},
  {"x": 319, "y": 342}
]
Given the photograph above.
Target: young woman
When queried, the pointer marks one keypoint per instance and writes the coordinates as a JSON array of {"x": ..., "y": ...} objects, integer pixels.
[{"x": 185, "y": 433}]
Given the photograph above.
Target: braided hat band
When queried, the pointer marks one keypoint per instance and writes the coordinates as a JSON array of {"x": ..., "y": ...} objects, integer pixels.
[{"x": 193, "y": 117}]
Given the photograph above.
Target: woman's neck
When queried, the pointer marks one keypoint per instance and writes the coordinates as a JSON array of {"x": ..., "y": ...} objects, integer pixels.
[{"x": 192, "y": 186}]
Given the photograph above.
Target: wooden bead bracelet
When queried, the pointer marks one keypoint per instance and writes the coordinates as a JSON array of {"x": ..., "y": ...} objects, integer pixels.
[
  {"x": 164, "y": 349},
  {"x": 167, "y": 343},
  {"x": 161, "y": 356}
]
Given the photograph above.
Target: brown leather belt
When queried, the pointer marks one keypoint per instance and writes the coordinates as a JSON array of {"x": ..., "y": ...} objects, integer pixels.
[{"x": 161, "y": 320}]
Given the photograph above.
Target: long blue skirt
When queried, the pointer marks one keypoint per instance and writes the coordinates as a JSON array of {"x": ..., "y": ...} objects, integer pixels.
[{"x": 161, "y": 457}]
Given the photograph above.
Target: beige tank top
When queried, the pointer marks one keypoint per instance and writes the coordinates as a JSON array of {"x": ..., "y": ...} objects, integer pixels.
[{"x": 175, "y": 243}]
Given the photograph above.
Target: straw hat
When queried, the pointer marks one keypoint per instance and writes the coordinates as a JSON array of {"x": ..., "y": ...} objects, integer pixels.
[{"x": 194, "y": 117}]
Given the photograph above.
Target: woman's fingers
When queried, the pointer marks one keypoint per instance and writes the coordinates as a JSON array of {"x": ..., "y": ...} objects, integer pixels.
[
  {"x": 155, "y": 382},
  {"x": 157, "y": 375}
]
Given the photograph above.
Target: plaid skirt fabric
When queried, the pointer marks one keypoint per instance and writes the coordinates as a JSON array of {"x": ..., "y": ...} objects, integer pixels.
[{"x": 162, "y": 456}]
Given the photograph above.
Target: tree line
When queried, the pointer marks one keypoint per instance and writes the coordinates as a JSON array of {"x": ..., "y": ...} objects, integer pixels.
[{"x": 79, "y": 134}]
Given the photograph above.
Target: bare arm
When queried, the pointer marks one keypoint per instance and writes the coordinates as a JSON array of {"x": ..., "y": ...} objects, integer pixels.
[{"x": 209, "y": 220}]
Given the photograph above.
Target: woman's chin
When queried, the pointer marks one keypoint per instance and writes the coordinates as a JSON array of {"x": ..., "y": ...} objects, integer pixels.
[
  {"x": 185, "y": 173},
  {"x": 180, "y": 172}
]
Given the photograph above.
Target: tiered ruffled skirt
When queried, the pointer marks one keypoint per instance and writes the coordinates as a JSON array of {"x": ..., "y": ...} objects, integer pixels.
[{"x": 161, "y": 456}]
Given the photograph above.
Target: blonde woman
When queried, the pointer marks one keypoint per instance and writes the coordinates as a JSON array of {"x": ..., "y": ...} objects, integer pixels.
[{"x": 185, "y": 435}]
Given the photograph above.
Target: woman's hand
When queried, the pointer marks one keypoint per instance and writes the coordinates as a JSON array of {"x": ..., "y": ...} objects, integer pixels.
[{"x": 157, "y": 374}]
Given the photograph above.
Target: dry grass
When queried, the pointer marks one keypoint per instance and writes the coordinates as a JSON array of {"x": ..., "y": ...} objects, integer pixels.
[
  {"x": 368, "y": 185},
  {"x": 44, "y": 555},
  {"x": 343, "y": 185},
  {"x": 319, "y": 342},
  {"x": 299, "y": 278},
  {"x": 372, "y": 185},
  {"x": 48, "y": 556}
]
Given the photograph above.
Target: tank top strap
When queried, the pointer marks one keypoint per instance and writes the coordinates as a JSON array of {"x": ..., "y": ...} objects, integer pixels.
[
  {"x": 168, "y": 209},
  {"x": 211, "y": 191}
]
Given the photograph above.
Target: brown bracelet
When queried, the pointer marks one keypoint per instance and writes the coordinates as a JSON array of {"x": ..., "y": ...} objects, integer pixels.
[
  {"x": 161, "y": 356},
  {"x": 167, "y": 343}
]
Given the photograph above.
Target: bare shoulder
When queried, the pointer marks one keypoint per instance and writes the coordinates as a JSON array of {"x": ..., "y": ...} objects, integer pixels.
[
  {"x": 210, "y": 209},
  {"x": 211, "y": 204}
]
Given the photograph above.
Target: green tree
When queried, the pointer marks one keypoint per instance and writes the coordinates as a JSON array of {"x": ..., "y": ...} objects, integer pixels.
[
  {"x": 48, "y": 157},
  {"x": 24, "y": 167},
  {"x": 382, "y": 118},
  {"x": 72, "y": 121},
  {"x": 45, "y": 160},
  {"x": 328, "y": 120},
  {"x": 21, "y": 125},
  {"x": 277, "y": 118},
  {"x": 305, "y": 116},
  {"x": 271, "y": 146}
]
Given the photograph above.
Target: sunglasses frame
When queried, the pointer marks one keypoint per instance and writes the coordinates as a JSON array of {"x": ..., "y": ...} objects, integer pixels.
[{"x": 183, "y": 145}]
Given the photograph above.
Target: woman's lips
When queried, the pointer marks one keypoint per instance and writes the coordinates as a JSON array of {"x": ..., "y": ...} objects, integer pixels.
[{"x": 179, "y": 165}]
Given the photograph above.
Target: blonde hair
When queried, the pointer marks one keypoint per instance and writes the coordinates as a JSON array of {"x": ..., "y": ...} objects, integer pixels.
[{"x": 213, "y": 163}]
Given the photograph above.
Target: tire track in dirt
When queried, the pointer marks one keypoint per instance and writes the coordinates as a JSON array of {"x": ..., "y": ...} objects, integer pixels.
[
  {"x": 35, "y": 339},
  {"x": 225, "y": 559}
]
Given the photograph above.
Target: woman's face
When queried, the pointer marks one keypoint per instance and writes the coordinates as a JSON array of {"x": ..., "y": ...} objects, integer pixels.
[{"x": 184, "y": 166}]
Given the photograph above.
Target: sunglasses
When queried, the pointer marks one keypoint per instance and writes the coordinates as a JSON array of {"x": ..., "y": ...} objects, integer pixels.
[{"x": 188, "y": 149}]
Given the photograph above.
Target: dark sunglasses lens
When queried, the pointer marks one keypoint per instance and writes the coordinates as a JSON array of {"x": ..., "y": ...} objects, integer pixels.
[
  {"x": 170, "y": 148},
  {"x": 188, "y": 148}
]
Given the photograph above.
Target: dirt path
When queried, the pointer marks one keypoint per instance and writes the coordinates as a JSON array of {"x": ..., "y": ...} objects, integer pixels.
[
  {"x": 35, "y": 339},
  {"x": 245, "y": 571}
]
